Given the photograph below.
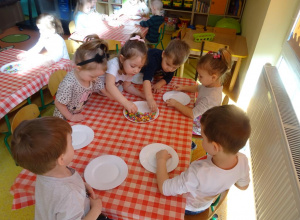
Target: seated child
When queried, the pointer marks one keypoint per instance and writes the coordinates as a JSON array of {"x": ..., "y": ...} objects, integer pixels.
[
  {"x": 211, "y": 70},
  {"x": 121, "y": 69},
  {"x": 225, "y": 130},
  {"x": 133, "y": 8},
  {"x": 162, "y": 65},
  {"x": 50, "y": 38},
  {"x": 154, "y": 22},
  {"x": 79, "y": 84},
  {"x": 44, "y": 147}
]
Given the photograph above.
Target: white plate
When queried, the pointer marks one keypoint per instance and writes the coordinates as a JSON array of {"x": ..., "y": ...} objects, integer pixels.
[
  {"x": 81, "y": 136},
  {"x": 178, "y": 96},
  {"x": 135, "y": 17},
  {"x": 138, "y": 79},
  {"x": 142, "y": 108},
  {"x": 106, "y": 172},
  {"x": 148, "y": 157},
  {"x": 16, "y": 67}
]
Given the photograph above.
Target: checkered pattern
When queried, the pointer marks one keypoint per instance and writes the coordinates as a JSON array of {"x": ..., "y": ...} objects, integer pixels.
[
  {"x": 15, "y": 88},
  {"x": 138, "y": 196},
  {"x": 121, "y": 33}
]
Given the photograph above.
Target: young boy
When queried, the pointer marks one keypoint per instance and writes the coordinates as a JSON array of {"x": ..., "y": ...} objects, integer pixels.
[
  {"x": 162, "y": 65},
  {"x": 44, "y": 147},
  {"x": 154, "y": 22},
  {"x": 225, "y": 130}
]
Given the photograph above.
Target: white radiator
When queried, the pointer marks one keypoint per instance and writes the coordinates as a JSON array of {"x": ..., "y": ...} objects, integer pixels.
[{"x": 275, "y": 149}]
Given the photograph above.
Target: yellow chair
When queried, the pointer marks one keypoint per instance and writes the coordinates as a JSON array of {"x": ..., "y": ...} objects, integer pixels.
[
  {"x": 72, "y": 47},
  {"x": 113, "y": 45},
  {"x": 161, "y": 32},
  {"x": 54, "y": 81},
  {"x": 72, "y": 27},
  {"x": 209, "y": 213}
]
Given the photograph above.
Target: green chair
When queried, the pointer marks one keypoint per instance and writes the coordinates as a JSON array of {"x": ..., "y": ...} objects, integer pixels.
[{"x": 161, "y": 32}]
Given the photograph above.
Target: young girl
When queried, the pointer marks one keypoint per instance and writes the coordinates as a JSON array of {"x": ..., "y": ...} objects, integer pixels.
[
  {"x": 78, "y": 85},
  {"x": 133, "y": 8},
  {"x": 50, "y": 30},
  {"x": 211, "y": 69},
  {"x": 121, "y": 70}
]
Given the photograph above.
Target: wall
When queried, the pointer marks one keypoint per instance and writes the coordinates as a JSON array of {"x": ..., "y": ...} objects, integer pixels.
[{"x": 265, "y": 24}]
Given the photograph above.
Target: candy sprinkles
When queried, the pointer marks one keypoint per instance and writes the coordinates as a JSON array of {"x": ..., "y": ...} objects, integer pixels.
[
  {"x": 13, "y": 68},
  {"x": 141, "y": 117}
]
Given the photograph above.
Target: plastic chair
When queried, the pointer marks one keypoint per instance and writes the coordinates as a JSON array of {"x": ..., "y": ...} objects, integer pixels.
[
  {"x": 55, "y": 79},
  {"x": 72, "y": 47},
  {"x": 113, "y": 45},
  {"x": 161, "y": 32},
  {"x": 210, "y": 213},
  {"x": 72, "y": 27}
]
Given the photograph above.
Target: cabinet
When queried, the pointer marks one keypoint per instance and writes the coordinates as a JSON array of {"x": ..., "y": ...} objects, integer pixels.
[
  {"x": 206, "y": 12},
  {"x": 108, "y": 6}
]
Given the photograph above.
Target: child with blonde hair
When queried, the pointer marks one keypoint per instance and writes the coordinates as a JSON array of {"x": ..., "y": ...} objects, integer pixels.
[
  {"x": 211, "y": 69},
  {"x": 162, "y": 65},
  {"x": 121, "y": 70},
  {"x": 79, "y": 84},
  {"x": 50, "y": 29},
  {"x": 225, "y": 130},
  {"x": 133, "y": 8}
]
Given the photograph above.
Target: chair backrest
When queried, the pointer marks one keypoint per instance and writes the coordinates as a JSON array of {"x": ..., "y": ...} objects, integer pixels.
[
  {"x": 72, "y": 27},
  {"x": 55, "y": 79},
  {"x": 213, "y": 46},
  {"x": 161, "y": 31},
  {"x": 72, "y": 47},
  {"x": 183, "y": 31},
  {"x": 26, "y": 113},
  {"x": 113, "y": 45},
  {"x": 230, "y": 31}
]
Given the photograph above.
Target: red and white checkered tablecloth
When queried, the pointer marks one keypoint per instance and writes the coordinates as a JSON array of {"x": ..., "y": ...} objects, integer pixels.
[
  {"x": 121, "y": 33},
  {"x": 15, "y": 88},
  {"x": 138, "y": 196}
]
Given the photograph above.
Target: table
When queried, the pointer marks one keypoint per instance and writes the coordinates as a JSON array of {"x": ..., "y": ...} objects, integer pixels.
[
  {"x": 121, "y": 33},
  {"x": 237, "y": 45},
  {"x": 138, "y": 196},
  {"x": 16, "y": 88}
]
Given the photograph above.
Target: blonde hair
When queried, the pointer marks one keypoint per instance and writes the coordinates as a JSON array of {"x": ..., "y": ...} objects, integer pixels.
[
  {"x": 80, "y": 4},
  {"x": 50, "y": 22},
  {"x": 92, "y": 45},
  {"x": 132, "y": 48},
  {"x": 178, "y": 51},
  {"x": 157, "y": 5},
  {"x": 218, "y": 63}
]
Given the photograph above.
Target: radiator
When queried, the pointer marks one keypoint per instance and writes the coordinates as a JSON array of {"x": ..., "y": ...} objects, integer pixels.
[{"x": 275, "y": 149}]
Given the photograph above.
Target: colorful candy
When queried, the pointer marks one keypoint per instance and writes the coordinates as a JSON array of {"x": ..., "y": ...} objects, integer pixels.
[
  {"x": 140, "y": 117},
  {"x": 12, "y": 68}
]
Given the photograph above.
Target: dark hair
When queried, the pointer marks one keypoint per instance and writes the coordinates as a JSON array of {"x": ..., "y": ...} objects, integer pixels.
[
  {"x": 228, "y": 126},
  {"x": 37, "y": 144},
  {"x": 133, "y": 48},
  {"x": 92, "y": 45},
  {"x": 217, "y": 63},
  {"x": 50, "y": 21},
  {"x": 178, "y": 51}
]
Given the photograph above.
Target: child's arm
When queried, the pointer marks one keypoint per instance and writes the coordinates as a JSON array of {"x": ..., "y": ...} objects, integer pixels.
[
  {"x": 193, "y": 88},
  {"x": 117, "y": 95},
  {"x": 149, "y": 96},
  {"x": 128, "y": 87},
  {"x": 161, "y": 168},
  {"x": 158, "y": 86},
  {"x": 68, "y": 115},
  {"x": 106, "y": 93},
  {"x": 147, "y": 23},
  {"x": 241, "y": 187},
  {"x": 185, "y": 110},
  {"x": 96, "y": 208}
]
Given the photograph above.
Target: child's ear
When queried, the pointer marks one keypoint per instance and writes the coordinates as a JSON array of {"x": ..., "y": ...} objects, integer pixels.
[
  {"x": 163, "y": 54},
  {"x": 78, "y": 68},
  {"x": 217, "y": 147},
  {"x": 214, "y": 77},
  {"x": 122, "y": 58},
  {"x": 60, "y": 160}
]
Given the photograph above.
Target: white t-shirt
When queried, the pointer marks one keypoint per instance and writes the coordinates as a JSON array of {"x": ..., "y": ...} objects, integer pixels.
[
  {"x": 55, "y": 46},
  {"x": 61, "y": 198},
  {"x": 203, "y": 180}
]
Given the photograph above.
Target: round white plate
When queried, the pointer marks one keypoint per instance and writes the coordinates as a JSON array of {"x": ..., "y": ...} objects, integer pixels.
[
  {"x": 81, "y": 136},
  {"x": 135, "y": 17},
  {"x": 106, "y": 172},
  {"x": 148, "y": 157},
  {"x": 138, "y": 79},
  {"x": 142, "y": 107},
  {"x": 181, "y": 97},
  {"x": 16, "y": 67}
]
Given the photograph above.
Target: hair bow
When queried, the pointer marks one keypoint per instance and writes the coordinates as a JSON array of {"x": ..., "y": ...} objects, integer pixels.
[
  {"x": 98, "y": 59},
  {"x": 216, "y": 55},
  {"x": 138, "y": 38}
]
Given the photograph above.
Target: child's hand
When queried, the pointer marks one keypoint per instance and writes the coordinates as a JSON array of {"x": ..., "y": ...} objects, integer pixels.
[
  {"x": 152, "y": 105},
  {"x": 171, "y": 102},
  {"x": 156, "y": 88},
  {"x": 77, "y": 117},
  {"x": 163, "y": 155},
  {"x": 131, "y": 107},
  {"x": 96, "y": 203},
  {"x": 177, "y": 87},
  {"x": 90, "y": 191},
  {"x": 21, "y": 56}
]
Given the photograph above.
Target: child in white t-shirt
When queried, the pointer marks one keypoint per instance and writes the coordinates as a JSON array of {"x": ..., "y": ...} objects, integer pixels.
[{"x": 225, "y": 130}]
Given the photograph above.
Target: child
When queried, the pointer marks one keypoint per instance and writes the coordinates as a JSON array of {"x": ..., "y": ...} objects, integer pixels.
[
  {"x": 162, "y": 64},
  {"x": 225, "y": 130},
  {"x": 121, "y": 70},
  {"x": 154, "y": 22},
  {"x": 50, "y": 30},
  {"x": 211, "y": 69},
  {"x": 78, "y": 85},
  {"x": 44, "y": 147},
  {"x": 133, "y": 8}
]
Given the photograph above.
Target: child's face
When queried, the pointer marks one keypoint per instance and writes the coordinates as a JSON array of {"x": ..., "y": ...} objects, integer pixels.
[
  {"x": 204, "y": 77},
  {"x": 133, "y": 2},
  {"x": 92, "y": 74},
  {"x": 45, "y": 31},
  {"x": 167, "y": 64},
  {"x": 69, "y": 154},
  {"x": 88, "y": 6},
  {"x": 133, "y": 65}
]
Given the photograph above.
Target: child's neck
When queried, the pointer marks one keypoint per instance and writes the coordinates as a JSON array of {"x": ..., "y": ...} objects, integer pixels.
[
  {"x": 59, "y": 172},
  {"x": 225, "y": 161},
  {"x": 214, "y": 84}
]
